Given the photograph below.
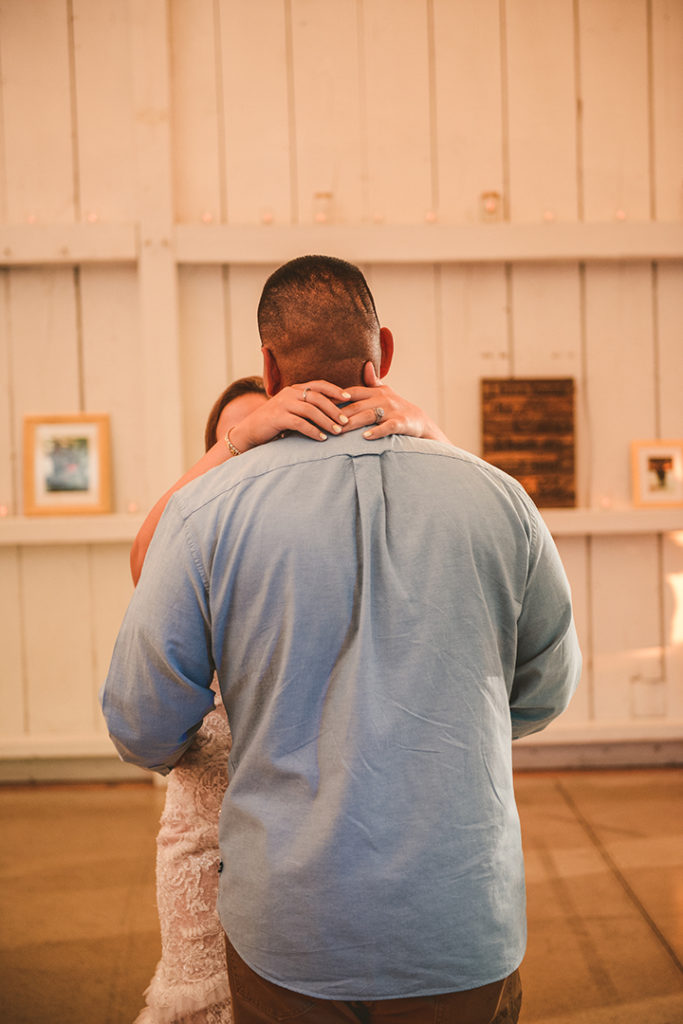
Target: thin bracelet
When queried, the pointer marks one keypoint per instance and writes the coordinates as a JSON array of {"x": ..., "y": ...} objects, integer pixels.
[{"x": 231, "y": 447}]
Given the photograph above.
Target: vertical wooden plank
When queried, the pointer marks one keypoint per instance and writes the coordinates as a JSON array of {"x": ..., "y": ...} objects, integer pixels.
[
  {"x": 473, "y": 329},
  {"x": 467, "y": 75},
  {"x": 104, "y": 111},
  {"x": 574, "y": 555},
  {"x": 156, "y": 265},
  {"x": 9, "y": 438},
  {"x": 111, "y": 590},
  {"x": 195, "y": 135},
  {"x": 672, "y": 562},
  {"x": 34, "y": 56},
  {"x": 57, "y": 624},
  {"x": 541, "y": 110},
  {"x": 12, "y": 677},
  {"x": 667, "y": 108},
  {"x": 405, "y": 297},
  {"x": 111, "y": 374},
  {"x": 245, "y": 285},
  {"x": 546, "y": 332},
  {"x": 327, "y": 110},
  {"x": 626, "y": 629},
  {"x": 619, "y": 375},
  {"x": 203, "y": 351},
  {"x": 669, "y": 310},
  {"x": 256, "y": 102},
  {"x": 397, "y": 83},
  {"x": 614, "y": 86}
]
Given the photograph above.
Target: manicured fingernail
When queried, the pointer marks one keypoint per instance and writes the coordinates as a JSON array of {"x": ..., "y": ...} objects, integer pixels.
[
  {"x": 343, "y": 419},
  {"x": 336, "y": 428},
  {"x": 345, "y": 394},
  {"x": 368, "y": 433},
  {"x": 323, "y": 437}
]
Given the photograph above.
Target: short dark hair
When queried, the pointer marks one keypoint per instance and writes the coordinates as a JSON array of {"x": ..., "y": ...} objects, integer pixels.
[
  {"x": 318, "y": 315},
  {"x": 242, "y": 386}
]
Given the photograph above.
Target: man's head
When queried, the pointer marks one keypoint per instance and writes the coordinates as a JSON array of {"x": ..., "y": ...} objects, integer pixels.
[{"x": 317, "y": 320}]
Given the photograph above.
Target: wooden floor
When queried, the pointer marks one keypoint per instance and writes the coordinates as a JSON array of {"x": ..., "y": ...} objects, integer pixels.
[{"x": 604, "y": 854}]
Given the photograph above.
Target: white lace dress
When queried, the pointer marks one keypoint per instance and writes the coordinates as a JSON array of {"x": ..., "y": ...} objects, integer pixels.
[{"x": 190, "y": 984}]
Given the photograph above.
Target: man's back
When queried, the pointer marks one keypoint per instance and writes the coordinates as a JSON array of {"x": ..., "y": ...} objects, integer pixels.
[{"x": 383, "y": 618}]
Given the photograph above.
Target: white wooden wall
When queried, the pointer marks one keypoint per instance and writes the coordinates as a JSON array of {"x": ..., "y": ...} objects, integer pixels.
[{"x": 159, "y": 157}]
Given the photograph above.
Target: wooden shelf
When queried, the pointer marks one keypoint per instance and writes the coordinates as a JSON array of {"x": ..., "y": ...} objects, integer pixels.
[
  {"x": 69, "y": 244},
  {"x": 437, "y": 243},
  {"x": 91, "y": 529},
  {"x": 122, "y": 528}
]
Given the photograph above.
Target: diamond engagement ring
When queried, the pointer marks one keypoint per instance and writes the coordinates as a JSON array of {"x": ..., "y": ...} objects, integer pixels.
[
  {"x": 306, "y": 390},
  {"x": 379, "y": 413}
]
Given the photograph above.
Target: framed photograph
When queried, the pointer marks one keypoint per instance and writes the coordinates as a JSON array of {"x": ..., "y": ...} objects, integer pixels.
[
  {"x": 66, "y": 464},
  {"x": 657, "y": 473}
]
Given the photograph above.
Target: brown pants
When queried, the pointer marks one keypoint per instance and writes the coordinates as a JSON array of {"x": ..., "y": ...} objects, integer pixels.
[{"x": 257, "y": 1001}]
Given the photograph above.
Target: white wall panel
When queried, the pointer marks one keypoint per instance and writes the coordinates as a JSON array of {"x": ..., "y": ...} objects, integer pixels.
[
  {"x": 397, "y": 84},
  {"x": 541, "y": 102},
  {"x": 614, "y": 99},
  {"x": 328, "y": 111},
  {"x": 468, "y": 94},
  {"x": 37, "y": 113},
  {"x": 103, "y": 111},
  {"x": 474, "y": 344},
  {"x": 667, "y": 108},
  {"x": 197, "y": 133},
  {"x": 12, "y": 673},
  {"x": 256, "y": 103}
]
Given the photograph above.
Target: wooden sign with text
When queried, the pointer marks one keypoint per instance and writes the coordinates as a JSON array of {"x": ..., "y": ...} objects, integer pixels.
[{"x": 528, "y": 430}]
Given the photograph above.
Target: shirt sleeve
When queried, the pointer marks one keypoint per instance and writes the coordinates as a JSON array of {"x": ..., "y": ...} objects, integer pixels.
[
  {"x": 548, "y": 665},
  {"x": 157, "y": 690}
]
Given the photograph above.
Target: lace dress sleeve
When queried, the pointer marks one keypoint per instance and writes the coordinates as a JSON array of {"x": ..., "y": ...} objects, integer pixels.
[{"x": 190, "y": 984}]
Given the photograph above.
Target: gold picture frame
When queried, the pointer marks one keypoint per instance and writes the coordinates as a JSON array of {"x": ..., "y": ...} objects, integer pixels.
[
  {"x": 657, "y": 473},
  {"x": 66, "y": 464}
]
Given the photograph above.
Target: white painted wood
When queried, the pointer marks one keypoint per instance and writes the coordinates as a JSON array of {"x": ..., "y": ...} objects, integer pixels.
[
  {"x": 546, "y": 340},
  {"x": 397, "y": 96},
  {"x": 28, "y": 245},
  {"x": 9, "y": 438},
  {"x": 204, "y": 367},
  {"x": 37, "y": 121},
  {"x": 669, "y": 310},
  {"x": 195, "y": 135},
  {"x": 57, "y": 530},
  {"x": 620, "y": 376},
  {"x": 84, "y": 743},
  {"x": 256, "y": 101},
  {"x": 406, "y": 303},
  {"x": 328, "y": 111},
  {"x": 12, "y": 676},
  {"x": 667, "y": 112},
  {"x": 672, "y": 602},
  {"x": 244, "y": 287},
  {"x": 104, "y": 108},
  {"x": 626, "y": 629},
  {"x": 614, "y": 90},
  {"x": 111, "y": 591},
  {"x": 473, "y": 335},
  {"x": 468, "y": 91},
  {"x": 56, "y": 590},
  {"x": 490, "y": 243},
  {"x": 574, "y": 552},
  {"x": 541, "y": 110},
  {"x": 156, "y": 270},
  {"x": 111, "y": 374},
  {"x": 618, "y": 730}
]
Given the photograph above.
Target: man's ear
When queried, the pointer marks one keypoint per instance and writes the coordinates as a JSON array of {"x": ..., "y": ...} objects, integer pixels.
[
  {"x": 271, "y": 373},
  {"x": 386, "y": 344}
]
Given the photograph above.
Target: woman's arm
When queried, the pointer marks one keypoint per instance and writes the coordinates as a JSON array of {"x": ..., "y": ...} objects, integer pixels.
[
  {"x": 315, "y": 417},
  {"x": 399, "y": 416}
]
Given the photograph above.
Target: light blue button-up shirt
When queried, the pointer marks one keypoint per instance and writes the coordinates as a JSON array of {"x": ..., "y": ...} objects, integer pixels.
[{"x": 384, "y": 617}]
